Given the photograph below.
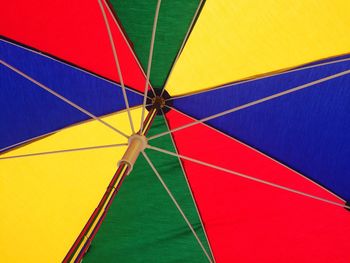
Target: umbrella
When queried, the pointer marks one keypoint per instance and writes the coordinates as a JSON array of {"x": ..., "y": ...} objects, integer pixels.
[{"x": 175, "y": 131}]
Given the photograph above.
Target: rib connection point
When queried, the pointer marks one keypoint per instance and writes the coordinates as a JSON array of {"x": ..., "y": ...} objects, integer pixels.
[{"x": 137, "y": 143}]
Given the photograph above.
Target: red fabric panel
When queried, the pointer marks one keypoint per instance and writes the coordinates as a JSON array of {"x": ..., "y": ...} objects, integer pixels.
[
  {"x": 248, "y": 221},
  {"x": 73, "y": 31}
]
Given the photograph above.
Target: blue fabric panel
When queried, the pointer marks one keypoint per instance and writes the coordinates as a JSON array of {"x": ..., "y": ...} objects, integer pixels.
[
  {"x": 28, "y": 111},
  {"x": 308, "y": 130}
]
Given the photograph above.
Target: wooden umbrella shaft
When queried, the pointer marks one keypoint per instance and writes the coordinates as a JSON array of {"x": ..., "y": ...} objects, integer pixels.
[{"x": 82, "y": 243}]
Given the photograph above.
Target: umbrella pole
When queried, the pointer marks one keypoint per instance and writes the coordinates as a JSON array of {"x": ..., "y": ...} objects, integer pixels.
[{"x": 137, "y": 143}]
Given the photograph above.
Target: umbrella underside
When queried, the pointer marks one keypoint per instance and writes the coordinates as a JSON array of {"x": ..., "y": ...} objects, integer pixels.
[{"x": 253, "y": 142}]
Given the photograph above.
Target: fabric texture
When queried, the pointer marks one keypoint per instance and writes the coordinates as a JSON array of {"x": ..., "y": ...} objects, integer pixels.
[
  {"x": 307, "y": 130},
  {"x": 247, "y": 221},
  {"x": 143, "y": 218},
  {"x": 29, "y": 111},
  {"x": 174, "y": 20}
]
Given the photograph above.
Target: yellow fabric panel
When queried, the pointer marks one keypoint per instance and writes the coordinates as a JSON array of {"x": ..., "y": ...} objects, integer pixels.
[
  {"x": 46, "y": 200},
  {"x": 238, "y": 39}
]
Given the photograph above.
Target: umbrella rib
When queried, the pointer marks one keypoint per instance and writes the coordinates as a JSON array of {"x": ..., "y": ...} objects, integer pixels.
[
  {"x": 63, "y": 151},
  {"x": 259, "y": 78},
  {"x": 177, "y": 205},
  {"x": 63, "y": 98},
  {"x": 189, "y": 188},
  {"x": 289, "y": 91},
  {"x": 116, "y": 60},
  {"x": 30, "y": 140},
  {"x": 150, "y": 62},
  {"x": 247, "y": 176},
  {"x": 75, "y": 67},
  {"x": 256, "y": 150},
  {"x": 183, "y": 43},
  {"x": 128, "y": 44},
  {"x": 27, "y": 141}
]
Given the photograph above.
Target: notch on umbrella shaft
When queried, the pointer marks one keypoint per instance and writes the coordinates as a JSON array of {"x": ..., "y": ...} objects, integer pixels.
[{"x": 136, "y": 145}]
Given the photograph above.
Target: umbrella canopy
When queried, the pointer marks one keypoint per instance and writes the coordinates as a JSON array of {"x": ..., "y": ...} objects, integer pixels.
[{"x": 247, "y": 159}]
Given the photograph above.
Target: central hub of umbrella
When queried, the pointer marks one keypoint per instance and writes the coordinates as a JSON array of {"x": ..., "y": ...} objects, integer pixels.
[
  {"x": 137, "y": 143},
  {"x": 162, "y": 101}
]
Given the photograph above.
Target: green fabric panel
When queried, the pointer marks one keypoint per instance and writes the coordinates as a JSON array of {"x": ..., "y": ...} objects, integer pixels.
[
  {"x": 174, "y": 19},
  {"x": 143, "y": 224}
]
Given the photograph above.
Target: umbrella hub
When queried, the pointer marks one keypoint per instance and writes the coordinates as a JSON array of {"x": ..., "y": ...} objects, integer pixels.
[
  {"x": 137, "y": 143},
  {"x": 161, "y": 100},
  {"x": 158, "y": 102}
]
